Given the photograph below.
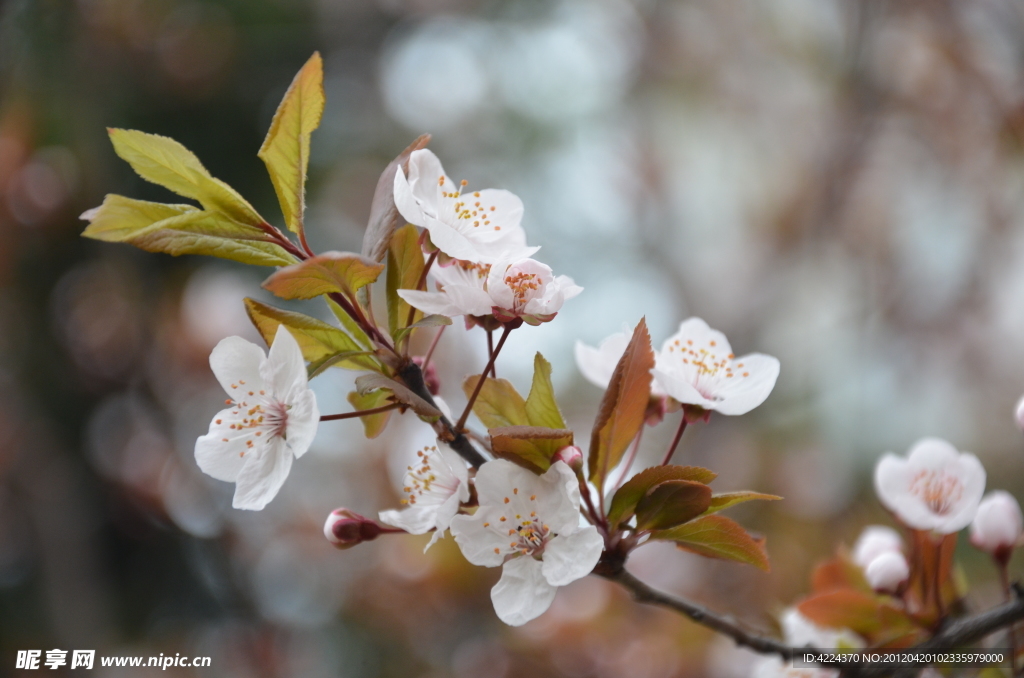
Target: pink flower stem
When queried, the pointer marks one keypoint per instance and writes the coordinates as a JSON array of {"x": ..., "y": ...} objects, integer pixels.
[
  {"x": 675, "y": 441},
  {"x": 433, "y": 345},
  {"x": 490, "y": 350},
  {"x": 419, "y": 285},
  {"x": 360, "y": 413},
  {"x": 1004, "y": 579}
]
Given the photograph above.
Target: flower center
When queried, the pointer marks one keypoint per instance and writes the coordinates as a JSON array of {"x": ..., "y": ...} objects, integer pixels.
[
  {"x": 468, "y": 209},
  {"x": 527, "y": 532},
  {"x": 939, "y": 490},
  {"x": 257, "y": 415},
  {"x": 422, "y": 480},
  {"x": 524, "y": 286},
  {"x": 705, "y": 367},
  {"x": 481, "y": 270}
]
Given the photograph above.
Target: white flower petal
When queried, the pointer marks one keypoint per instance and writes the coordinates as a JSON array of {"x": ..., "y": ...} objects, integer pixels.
[
  {"x": 414, "y": 519},
  {"x": 681, "y": 389},
  {"x": 470, "y": 300},
  {"x": 598, "y": 364},
  {"x": 480, "y": 545},
  {"x": 522, "y": 593},
  {"x": 696, "y": 330},
  {"x": 235, "y": 360},
  {"x": 431, "y": 303},
  {"x": 741, "y": 394},
  {"x": 406, "y": 203},
  {"x": 217, "y": 458},
  {"x": 262, "y": 476},
  {"x": 303, "y": 421},
  {"x": 873, "y": 541},
  {"x": 572, "y": 556},
  {"x": 285, "y": 369}
]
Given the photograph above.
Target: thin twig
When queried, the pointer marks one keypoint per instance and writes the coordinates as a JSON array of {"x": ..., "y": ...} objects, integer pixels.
[
  {"x": 675, "y": 442},
  {"x": 483, "y": 378},
  {"x": 490, "y": 350},
  {"x": 360, "y": 413},
  {"x": 433, "y": 345},
  {"x": 419, "y": 285}
]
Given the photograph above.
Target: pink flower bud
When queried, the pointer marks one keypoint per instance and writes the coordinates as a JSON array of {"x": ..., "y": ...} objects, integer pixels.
[
  {"x": 1019, "y": 414},
  {"x": 887, "y": 572},
  {"x": 997, "y": 525},
  {"x": 346, "y": 529},
  {"x": 571, "y": 455}
]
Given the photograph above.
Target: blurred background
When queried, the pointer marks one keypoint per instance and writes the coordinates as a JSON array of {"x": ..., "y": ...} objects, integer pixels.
[{"x": 837, "y": 183}]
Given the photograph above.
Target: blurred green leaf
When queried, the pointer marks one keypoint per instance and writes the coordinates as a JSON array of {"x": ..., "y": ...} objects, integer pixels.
[
  {"x": 373, "y": 424},
  {"x": 623, "y": 407},
  {"x": 717, "y": 537},
  {"x": 672, "y": 503},
  {"x": 165, "y": 162},
  {"x": 181, "y": 229},
  {"x": 633, "y": 490},
  {"x": 341, "y": 272},
  {"x": 405, "y": 267},
  {"x": 529, "y": 446},
  {"x": 285, "y": 151},
  {"x": 318, "y": 340}
]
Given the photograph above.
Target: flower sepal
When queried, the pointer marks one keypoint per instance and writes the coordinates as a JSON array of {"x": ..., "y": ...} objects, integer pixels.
[
  {"x": 695, "y": 413},
  {"x": 345, "y": 529}
]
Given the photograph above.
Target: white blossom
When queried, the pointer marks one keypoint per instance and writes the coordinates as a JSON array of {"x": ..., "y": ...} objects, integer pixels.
[
  {"x": 997, "y": 527},
  {"x": 434, "y": 486},
  {"x": 873, "y": 542},
  {"x": 479, "y": 226},
  {"x": 270, "y": 420},
  {"x": 529, "y": 525},
  {"x": 507, "y": 289},
  {"x": 887, "y": 571},
  {"x": 696, "y": 366},
  {"x": 799, "y": 631},
  {"x": 1019, "y": 414},
  {"x": 934, "y": 488}
]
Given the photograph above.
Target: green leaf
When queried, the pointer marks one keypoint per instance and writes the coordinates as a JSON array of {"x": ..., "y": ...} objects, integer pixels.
[
  {"x": 350, "y": 325},
  {"x": 340, "y": 272},
  {"x": 384, "y": 216},
  {"x": 165, "y": 162},
  {"x": 499, "y": 404},
  {"x": 529, "y": 446},
  {"x": 541, "y": 408},
  {"x": 633, "y": 490},
  {"x": 399, "y": 392},
  {"x": 318, "y": 340},
  {"x": 181, "y": 229},
  {"x": 672, "y": 503},
  {"x": 727, "y": 499},
  {"x": 374, "y": 424},
  {"x": 432, "y": 320},
  {"x": 405, "y": 266},
  {"x": 624, "y": 406},
  {"x": 717, "y": 537},
  {"x": 285, "y": 151}
]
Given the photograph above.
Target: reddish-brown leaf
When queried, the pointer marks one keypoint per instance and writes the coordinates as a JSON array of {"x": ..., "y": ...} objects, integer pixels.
[{"x": 716, "y": 536}]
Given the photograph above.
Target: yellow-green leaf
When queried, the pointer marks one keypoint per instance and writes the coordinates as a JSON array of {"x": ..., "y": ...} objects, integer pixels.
[
  {"x": 317, "y": 339},
  {"x": 541, "y": 408},
  {"x": 405, "y": 267},
  {"x": 499, "y": 404},
  {"x": 181, "y": 229},
  {"x": 373, "y": 424},
  {"x": 633, "y": 490},
  {"x": 285, "y": 151},
  {"x": 343, "y": 272},
  {"x": 166, "y": 162},
  {"x": 716, "y": 536},
  {"x": 528, "y": 445},
  {"x": 723, "y": 501},
  {"x": 624, "y": 406},
  {"x": 350, "y": 325}
]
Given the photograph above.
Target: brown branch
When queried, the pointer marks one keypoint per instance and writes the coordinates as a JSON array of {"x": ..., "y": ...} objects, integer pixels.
[
  {"x": 955, "y": 634},
  {"x": 360, "y": 413}
]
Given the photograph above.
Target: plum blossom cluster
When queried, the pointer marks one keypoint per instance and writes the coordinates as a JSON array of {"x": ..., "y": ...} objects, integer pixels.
[{"x": 521, "y": 494}]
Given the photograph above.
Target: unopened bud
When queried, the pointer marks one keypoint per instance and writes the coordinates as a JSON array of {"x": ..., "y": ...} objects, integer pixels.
[
  {"x": 430, "y": 377},
  {"x": 1019, "y": 414},
  {"x": 997, "y": 525},
  {"x": 873, "y": 542},
  {"x": 887, "y": 572},
  {"x": 571, "y": 455},
  {"x": 346, "y": 529}
]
